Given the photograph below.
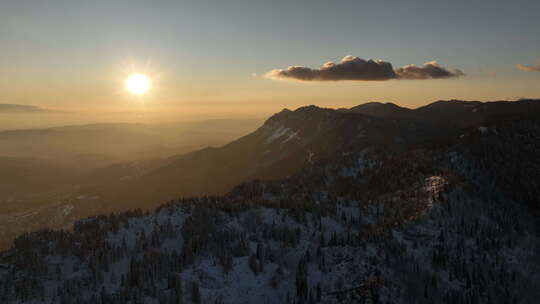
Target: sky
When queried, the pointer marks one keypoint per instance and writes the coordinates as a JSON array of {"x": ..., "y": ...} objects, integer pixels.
[{"x": 232, "y": 56}]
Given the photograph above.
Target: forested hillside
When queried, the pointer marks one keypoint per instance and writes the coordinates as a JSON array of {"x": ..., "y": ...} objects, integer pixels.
[{"x": 445, "y": 222}]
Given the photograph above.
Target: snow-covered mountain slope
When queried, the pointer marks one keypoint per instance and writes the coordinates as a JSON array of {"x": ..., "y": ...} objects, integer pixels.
[{"x": 427, "y": 225}]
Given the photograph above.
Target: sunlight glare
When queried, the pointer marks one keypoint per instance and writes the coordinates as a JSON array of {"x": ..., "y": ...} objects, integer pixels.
[{"x": 138, "y": 84}]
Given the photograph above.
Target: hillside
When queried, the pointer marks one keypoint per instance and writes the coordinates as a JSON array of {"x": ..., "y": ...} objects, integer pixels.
[
  {"x": 291, "y": 140},
  {"x": 449, "y": 220},
  {"x": 285, "y": 144},
  {"x": 426, "y": 225}
]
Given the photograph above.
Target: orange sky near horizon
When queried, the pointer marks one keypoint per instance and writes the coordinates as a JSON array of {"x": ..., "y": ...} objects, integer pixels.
[{"x": 208, "y": 59}]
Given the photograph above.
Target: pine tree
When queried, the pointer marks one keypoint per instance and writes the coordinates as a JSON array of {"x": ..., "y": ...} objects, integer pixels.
[{"x": 195, "y": 293}]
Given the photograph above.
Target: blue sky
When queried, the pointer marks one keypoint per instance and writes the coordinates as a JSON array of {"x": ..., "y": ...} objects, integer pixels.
[{"x": 204, "y": 51}]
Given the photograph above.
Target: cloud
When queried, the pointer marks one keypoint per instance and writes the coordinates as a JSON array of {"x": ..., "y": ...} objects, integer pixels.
[
  {"x": 528, "y": 68},
  {"x": 358, "y": 69},
  {"x": 349, "y": 68},
  {"x": 430, "y": 70}
]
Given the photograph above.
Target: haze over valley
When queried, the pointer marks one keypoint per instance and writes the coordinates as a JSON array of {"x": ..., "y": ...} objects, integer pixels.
[{"x": 51, "y": 170}]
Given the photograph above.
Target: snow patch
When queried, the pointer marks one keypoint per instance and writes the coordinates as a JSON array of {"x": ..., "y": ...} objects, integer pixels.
[
  {"x": 291, "y": 135},
  {"x": 280, "y": 131},
  {"x": 434, "y": 185},
  {"x": 66, "y": 210},
  {"x": 310, "y": 157}
]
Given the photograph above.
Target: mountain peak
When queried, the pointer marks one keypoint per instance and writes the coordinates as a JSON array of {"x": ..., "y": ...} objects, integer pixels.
[
  {"x": 278, "y": 116},
  {"x": 287, "y": 114},
  {"x": 308, "y": 108},
  {"x": 377, "y": 103},
  {"x": 285, "y": 110},
  {"x": 380, "y": 109},
  {"x": 451, "y": 103}
]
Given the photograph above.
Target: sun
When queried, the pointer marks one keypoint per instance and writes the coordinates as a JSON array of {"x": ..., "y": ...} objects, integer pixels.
[{"x": 138, "y": 84}]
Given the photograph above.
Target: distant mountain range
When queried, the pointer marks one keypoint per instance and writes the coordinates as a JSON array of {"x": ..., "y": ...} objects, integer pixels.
[
  {"x": 18, "y": 108},
  {"x": 46, "y": 170},
  {"x": 454, "y": 114}
]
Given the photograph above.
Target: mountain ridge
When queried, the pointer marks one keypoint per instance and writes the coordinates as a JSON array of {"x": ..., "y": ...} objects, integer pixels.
[{"x": 21, "y": 108}]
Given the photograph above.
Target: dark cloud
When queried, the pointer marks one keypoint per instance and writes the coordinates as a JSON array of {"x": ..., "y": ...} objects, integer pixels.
[
  {"x": 528, "y": 68},
  {"x": 355, "y": 68},
  {"x": 349, "y": 68},
  {"x": 430, "y": 70}
]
